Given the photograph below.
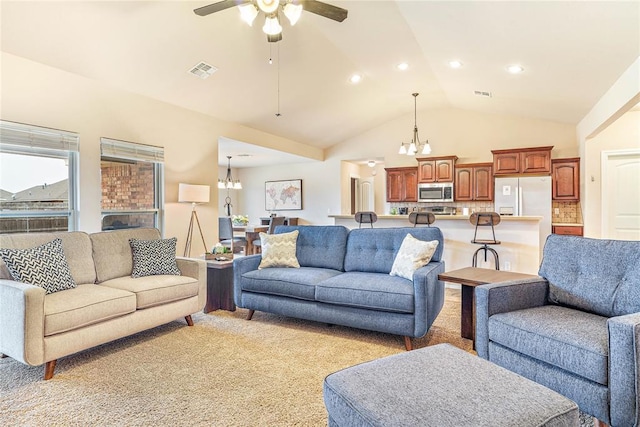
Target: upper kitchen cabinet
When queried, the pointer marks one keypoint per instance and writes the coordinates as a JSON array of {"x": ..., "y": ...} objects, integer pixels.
[
  {"x": 436, "y": 169},
  {"x": 473, "y": 182},
  {"x": 402, "y": 184},
  {"x": 535, "y": 160},
  {"x": 565, "y": 175}
]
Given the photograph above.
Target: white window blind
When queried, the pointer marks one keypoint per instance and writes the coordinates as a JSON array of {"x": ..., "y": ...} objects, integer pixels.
[
  {"x": 18, "y": 138},
  {"x": 113, "y": 148}
]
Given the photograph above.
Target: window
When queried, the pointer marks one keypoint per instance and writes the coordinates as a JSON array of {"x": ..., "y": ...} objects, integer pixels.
[
  {"x": 38, "y": 179},
  {"x": 132, "y": 185}
]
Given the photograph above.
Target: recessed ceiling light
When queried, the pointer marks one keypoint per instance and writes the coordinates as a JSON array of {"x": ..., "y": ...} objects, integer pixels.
[
  {"x": 515, "y": 69},
  {"x": 455, "y": 64},
  {"x": 355, "y": 78},
  {"x": 402, "y": 66}
]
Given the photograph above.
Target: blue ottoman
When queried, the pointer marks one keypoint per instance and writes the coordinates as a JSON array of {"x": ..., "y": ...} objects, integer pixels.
[{"x": 441, "y": 386}]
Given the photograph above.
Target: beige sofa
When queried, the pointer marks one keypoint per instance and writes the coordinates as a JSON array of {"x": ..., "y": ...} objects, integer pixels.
[{"x": 106, "y": 304}]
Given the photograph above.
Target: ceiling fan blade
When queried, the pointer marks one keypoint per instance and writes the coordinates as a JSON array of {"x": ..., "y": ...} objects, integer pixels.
[
  {"x": 324, "y": 9},
  {"x": 217, "y": 7},
  {"x": 275, "y": 38}
]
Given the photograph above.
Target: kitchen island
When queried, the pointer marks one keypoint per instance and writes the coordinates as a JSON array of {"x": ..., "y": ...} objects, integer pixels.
[{"x": 519, "y": 236}]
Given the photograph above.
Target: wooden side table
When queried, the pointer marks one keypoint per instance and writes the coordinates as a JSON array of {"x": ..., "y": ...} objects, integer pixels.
[
  {"x": 219, "y": 286},
  {"x": 469, "y": 278}
]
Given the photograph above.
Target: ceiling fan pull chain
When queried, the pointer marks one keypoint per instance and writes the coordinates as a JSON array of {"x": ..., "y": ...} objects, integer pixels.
[{"x": 278, "y": 113}]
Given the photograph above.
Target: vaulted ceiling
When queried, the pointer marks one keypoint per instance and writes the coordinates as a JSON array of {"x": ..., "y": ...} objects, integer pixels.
[{"x": 571, "y": 51}]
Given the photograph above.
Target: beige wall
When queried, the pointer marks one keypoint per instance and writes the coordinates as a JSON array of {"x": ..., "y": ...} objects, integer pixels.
[
  {"x": 40, "y": 95},
  {"x": 623, "y": 134}
]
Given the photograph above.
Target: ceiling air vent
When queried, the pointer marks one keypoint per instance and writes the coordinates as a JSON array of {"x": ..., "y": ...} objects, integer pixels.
[
  {"x": 482, "y": 93},
  {"x": 203, "y": 70}
]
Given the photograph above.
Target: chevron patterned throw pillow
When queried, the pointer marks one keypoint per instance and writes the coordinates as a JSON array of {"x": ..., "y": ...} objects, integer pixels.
[
  {"x": 412, "y": 255},
  {"x": 44, "y": 266},
  {"x": 154, "y": 257},
  {"x": 279, "y": 250}
]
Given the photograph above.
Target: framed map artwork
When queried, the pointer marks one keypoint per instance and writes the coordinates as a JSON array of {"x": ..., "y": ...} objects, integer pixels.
[{"x": 283, "y": 195}]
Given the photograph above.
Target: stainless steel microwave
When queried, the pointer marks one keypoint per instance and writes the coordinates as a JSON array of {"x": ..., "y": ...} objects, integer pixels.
[{"x": 435, "y": 192}]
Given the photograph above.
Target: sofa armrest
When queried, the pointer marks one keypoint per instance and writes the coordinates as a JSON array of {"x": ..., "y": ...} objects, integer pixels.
[
  {"x": 241, "y": 266},
  {"x": 428, "y": 296},
  {"x": 22, "y": 321},
  {"x": 501, "y": 298},
  {"x": 196, "y": 268},
  {"x": 624, "y": 369}
]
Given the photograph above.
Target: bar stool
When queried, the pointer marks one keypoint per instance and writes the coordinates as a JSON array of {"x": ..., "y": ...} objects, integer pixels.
[
  {"x": 485, "y": 219},
  {"x": 416, "y": 218},
  {"x": 366, "y": 217}
]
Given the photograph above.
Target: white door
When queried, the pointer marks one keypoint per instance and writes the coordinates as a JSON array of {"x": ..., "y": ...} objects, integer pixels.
[
  {"x": 365, "y": 200},
  {"x": 621, "y": 195}
]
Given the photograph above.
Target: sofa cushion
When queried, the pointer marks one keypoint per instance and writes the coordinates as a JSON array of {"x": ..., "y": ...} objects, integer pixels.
[
  {"x": 84, "y": 305},
  {"x": 374, "y": 249},
  {"x": 112, "y": 252},
  {"x": 154, "y": 257},
  {"x": 155, "y": 290},
  {"x": 279, "y": 250},
  {"x": 76, "y": 246},
  {"x": 44, "y": 266},
  {"x": 569, "y": 339},
  {"x": 412, "y": 255},
  {"x": 296, "y": 283},
  {"x": 597, "y": 275},
  {"x": 328, "y": 240},
  {"x": 373, "y": 291}
]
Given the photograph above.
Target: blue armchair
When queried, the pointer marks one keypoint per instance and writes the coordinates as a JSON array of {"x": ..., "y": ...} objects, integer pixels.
[{"x": 576, "y": 329}]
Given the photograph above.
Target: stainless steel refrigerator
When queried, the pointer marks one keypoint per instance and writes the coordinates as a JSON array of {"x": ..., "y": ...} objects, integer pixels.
[{"x": 525, "y": 196}]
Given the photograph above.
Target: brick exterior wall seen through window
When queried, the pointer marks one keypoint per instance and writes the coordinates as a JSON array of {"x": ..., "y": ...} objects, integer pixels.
[{"x": 127, "y": 186}]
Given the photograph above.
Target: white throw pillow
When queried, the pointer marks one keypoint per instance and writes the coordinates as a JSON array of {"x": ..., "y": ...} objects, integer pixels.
[
  {"x": 279, "y": 250},
  {"x": 412, "y": 255}
]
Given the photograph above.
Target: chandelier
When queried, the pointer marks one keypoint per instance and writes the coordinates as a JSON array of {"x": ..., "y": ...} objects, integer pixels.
[
  {"x": 228, "y": 182},
  {"x": 415, "y": 145},
  {"x": 271, "y": 27}
]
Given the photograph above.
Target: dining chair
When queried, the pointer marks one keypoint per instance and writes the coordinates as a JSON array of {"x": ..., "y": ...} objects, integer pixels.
[
  {"x": 273, "y": 222},
  {"x": 226, "y": 237}
]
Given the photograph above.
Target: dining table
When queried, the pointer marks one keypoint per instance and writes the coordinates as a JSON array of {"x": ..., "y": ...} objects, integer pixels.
[{"x": 251, "y": 233}]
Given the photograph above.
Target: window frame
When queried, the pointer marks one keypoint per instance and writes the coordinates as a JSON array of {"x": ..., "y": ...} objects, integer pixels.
[
  {"x": 31, "y": 140},
  {"x": 123, "y": 151}
]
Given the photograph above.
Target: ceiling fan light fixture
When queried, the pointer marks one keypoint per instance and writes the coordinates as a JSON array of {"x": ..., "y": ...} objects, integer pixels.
[
  {"x": 293, "y": 12},
  {"x": 272, "y": 26},
  {"x": 268, "y": 6},
  {"x": 248, "y": 13}
]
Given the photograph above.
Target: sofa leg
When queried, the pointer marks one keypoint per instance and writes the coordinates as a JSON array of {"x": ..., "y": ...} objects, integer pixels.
[
  {"x": 189, "y": 320},
  {"x": 598, "y": 423},
  {"x": 407, "y": 343},
  {"x": 250, "y": 314},
  {"x": 49, "y": 367}
]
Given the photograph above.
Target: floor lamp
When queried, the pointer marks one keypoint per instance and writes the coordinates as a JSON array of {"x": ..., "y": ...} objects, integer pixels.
[{"x": 194, "y": 194}]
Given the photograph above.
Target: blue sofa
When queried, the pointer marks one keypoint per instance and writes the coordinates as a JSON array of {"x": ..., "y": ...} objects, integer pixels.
[
  {"x": 576, "y": 329},
  {"x": 344, "y": 279}
]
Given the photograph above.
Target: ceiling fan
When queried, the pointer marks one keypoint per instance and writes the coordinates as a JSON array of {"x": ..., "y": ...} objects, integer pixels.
[{"x": 292, "y": 9}]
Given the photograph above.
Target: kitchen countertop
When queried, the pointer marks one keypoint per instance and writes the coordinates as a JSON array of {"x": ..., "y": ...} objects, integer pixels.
[{"x": 567, "y": 224}]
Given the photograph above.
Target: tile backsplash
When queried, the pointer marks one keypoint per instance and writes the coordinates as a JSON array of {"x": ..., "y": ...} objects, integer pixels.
[{"x": 567, "y": 212}]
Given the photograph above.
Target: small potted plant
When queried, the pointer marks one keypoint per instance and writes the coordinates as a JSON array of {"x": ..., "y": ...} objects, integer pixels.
[{"x": 219, "y": 253}]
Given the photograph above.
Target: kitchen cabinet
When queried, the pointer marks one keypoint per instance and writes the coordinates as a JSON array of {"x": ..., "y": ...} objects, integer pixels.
[
  {"x": 402, "y": 184},
  {"x": 569, "y": 230},
  {"x": 534, "y": 160},
  {"x": 473, "y": 182},
  {"x": 436, "y": 169},
  {"x": 565, "y": 174}
]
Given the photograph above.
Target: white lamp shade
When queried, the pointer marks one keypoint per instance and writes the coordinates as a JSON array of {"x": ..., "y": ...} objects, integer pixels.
[
  {"x": 268, "y": 6},
  {"x": 190, "y": 193},
  {"x": 271, "y": 26},
  {"x": 293, "y": 12},
  {"x": 248, "y": 13}
]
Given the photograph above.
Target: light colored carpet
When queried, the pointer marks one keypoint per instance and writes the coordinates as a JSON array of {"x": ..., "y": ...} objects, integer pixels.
[{"x": 223, "y": 371}]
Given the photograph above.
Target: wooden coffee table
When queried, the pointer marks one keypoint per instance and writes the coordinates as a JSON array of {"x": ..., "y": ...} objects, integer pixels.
[{"x": 469, "y": 278}]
